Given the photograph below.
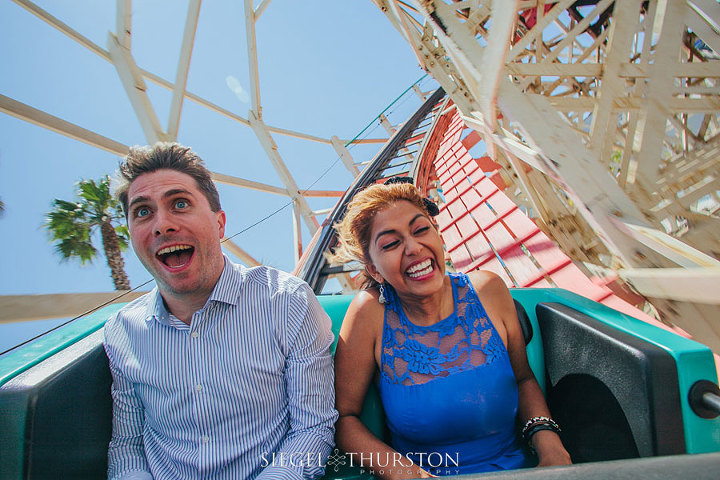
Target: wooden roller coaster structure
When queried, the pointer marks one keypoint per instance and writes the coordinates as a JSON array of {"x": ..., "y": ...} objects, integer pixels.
[{"x": 572, "y": 144}]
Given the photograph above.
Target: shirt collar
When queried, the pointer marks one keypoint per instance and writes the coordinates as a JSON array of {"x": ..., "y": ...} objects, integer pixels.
[{"x": 227, "y": 290}]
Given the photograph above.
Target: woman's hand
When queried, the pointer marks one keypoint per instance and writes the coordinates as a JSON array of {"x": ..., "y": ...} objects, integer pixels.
[{"x": 549, "y": 448}]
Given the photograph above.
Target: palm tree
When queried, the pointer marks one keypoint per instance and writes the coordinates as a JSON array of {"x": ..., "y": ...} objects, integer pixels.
[{"x": 71, "y": 227}]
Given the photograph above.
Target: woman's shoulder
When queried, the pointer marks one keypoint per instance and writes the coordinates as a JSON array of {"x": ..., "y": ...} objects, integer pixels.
[
  {"x": 366, "y": 308},
  {"x": 486, "y": 282}
]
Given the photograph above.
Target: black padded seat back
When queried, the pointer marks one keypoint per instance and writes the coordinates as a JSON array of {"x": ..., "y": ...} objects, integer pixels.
[
  {"x": 524, "y": 320},
  {"x": 614, "y": 395},
  {"x": 66, "y": 406}
]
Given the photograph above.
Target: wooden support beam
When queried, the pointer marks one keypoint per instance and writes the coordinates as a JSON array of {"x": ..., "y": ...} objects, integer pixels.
[
  {"x": 58, "y": 125},
  {"x": 261, "y": 8},
  {"x": 249, "y": 184},
  {"x": 123, "y": 28},
  {"x": 252, "y": 58},
  {"x": 345, "y": 156},
  {"x": 297, "y": 234},
  {"x": 25, "y": 308},
  {"x": 241, "y": 254},
  {"x": 271, "y": 150},
  {"x": 604, "y": 122},
  {"x": 183, "y": 68},
  {"x": 670, "y": 247},
  {"x": 64, "y": 28},
  {"x": 699, "y": 285},
  {"x": 135, "y": 87},
  {"x": 653, "y": 118}
]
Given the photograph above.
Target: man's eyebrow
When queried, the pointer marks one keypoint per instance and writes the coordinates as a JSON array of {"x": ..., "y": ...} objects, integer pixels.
[
  {"x": 135, "y": 200},
  {"x": 176, "y": 191},
  {"x": 385, "y": 232},
  {"x": 169, "y": 193}
]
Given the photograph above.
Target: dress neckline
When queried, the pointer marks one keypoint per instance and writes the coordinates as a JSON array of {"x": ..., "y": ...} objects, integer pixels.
[{"x": 405, "y": 319}]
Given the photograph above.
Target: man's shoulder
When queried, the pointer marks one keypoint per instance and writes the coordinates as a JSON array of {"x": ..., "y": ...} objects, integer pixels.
[
  {"x": 277, "y": 281},
  {"x": 134, "y": 312}
]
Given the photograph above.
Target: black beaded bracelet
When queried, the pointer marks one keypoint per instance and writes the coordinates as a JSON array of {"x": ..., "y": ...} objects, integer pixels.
[{"x": 536, "y": 424}]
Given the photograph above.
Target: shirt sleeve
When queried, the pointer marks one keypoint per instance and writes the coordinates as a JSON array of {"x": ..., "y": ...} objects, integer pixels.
[
  {"x": 126, "y": 454},
  {"x": 309, "y": 381}
]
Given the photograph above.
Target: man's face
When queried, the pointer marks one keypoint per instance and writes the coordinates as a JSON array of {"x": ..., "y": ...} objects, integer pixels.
[{"x": 174, "y": 232}]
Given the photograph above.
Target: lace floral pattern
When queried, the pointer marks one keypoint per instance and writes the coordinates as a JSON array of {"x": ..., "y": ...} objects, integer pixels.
[{"x": 414, "y": 354}]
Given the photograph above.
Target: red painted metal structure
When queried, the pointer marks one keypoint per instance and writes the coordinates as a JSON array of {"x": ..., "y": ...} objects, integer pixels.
[{"x": 483, "y": 229}]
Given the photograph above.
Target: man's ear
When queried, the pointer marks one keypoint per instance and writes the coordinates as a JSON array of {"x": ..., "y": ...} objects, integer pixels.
[
  {"x": 373, "y": 272},
  {"x": 221, "y": 222}
]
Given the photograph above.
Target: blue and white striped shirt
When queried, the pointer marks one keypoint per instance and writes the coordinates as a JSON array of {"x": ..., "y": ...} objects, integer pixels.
[{"x": 251, "y": 375}]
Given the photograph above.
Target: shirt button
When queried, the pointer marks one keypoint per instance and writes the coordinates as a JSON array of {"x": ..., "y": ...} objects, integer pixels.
[
  {"x": 194, "y": 334},
  {"x": 198, "y": 388},
  {"x": 205, "y": 439}
]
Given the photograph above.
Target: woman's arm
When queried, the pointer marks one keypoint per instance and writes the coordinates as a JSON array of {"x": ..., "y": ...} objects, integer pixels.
[
  {"x": 356, "y": 361},
  {"x": 499, "y": 305}
]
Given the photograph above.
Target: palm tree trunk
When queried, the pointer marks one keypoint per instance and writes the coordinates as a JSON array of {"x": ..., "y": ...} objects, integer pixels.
[{"x": 114, "y": 256}]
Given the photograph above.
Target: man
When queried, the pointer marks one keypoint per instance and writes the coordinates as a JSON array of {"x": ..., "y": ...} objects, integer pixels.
[{"x": 220, "y": 371}]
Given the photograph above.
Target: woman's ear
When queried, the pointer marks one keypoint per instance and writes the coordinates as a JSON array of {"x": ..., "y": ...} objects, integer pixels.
[{"x": 373, "y": 272}]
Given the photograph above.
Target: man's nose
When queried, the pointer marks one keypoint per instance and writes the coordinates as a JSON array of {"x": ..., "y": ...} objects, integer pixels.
[{"x": 164, "y": 223}]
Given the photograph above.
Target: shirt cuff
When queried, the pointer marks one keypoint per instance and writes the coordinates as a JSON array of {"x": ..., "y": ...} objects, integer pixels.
[
  {"x": 136, "y": 475},
  {"x": 277, "y": 472}
]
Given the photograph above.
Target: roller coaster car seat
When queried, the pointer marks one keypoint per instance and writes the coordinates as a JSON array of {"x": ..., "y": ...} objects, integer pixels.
[{"x": 615, "y": 395}]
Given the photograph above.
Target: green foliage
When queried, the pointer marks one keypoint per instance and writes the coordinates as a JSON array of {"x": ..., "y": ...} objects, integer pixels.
[{"x": 71, "y": 224}]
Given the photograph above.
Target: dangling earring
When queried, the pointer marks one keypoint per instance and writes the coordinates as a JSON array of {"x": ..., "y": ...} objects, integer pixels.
[{"x": 382, "y": 298}]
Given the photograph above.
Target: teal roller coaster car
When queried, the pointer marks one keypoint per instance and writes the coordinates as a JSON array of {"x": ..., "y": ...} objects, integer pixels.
[{"x": 633, "y": 399}]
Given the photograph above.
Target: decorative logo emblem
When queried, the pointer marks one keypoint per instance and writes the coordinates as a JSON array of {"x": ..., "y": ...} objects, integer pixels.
[{"x": 336, "y": 459}]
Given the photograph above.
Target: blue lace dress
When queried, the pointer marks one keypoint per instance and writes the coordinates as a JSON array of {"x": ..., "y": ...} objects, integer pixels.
[{"x": 449, "y": 392}]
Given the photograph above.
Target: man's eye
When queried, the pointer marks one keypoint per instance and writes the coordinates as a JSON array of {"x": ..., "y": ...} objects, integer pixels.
[
  {"x": 390, "y": 245},
  {"x": 142, "y": 211},
  {"x": 181, "y": 204}
]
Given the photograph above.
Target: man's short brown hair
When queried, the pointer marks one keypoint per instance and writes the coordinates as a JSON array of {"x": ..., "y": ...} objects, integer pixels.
[{"x": 170, "y": 156}]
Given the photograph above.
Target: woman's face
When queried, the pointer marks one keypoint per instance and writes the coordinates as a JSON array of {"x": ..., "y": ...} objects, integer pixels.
[{"x": 406, "y": 251}]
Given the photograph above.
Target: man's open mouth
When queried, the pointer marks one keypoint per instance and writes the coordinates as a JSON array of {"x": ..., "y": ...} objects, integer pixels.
[{"x": 176, "y": 256}]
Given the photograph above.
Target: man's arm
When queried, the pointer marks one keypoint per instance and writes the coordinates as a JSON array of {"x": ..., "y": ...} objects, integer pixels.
[
  {"x": 126, "y": 454},
  {"x": 309, "y": 381}
]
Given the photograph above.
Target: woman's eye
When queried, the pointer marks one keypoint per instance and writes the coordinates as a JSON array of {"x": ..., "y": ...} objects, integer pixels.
[
  {"x": 421, "y": 230},
  {"x": 181, "y": 204},
  {"x": 390, "y": 245}
]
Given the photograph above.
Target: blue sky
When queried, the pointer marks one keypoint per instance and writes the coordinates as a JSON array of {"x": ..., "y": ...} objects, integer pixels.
[{"x": 326, "y": 68}]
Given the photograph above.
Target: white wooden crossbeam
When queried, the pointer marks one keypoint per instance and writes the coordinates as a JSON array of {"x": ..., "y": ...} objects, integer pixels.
[
  {"x": 345, "y": 156},
  {"x": 252, "y": 58},
  {"x": 64, "y": 28},
  {"x": 24, "y": 308},
  {"x": 183, "y": 68},
  {"x": 271, "y": 150},
  {"x": 699, "y": 285},
  {"x": 241, "y": 254},
  {"x": 135, "y": 88},
  {"x": 123, "y": 28},
  {"x": 653, "y": 118},
  {"x": 595, "y": 191},
  {"x": 58, "y": 125},
  {"x": 604, "y": 122},
  {"x": 668, "y": 246},
  {"x": 537, "y": 31},
  {"x": 297, "y": 233},
  {"x": 261, "y": 8}
]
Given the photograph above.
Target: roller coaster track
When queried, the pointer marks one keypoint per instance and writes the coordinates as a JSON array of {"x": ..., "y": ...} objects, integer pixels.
[
  {"x": 599, "y": 120},
  {"x": 576, "y": 146}
]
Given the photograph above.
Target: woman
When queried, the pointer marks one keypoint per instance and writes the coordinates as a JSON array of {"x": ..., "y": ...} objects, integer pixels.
[{"x": 447, "y": 352}]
